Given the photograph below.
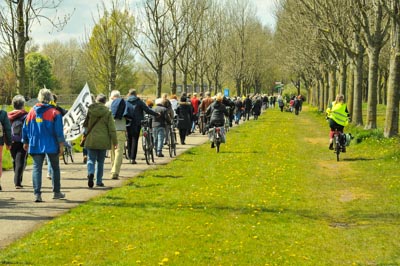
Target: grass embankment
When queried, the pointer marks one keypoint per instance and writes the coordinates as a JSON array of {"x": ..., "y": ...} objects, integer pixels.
[{"x": 274, "y": 195}]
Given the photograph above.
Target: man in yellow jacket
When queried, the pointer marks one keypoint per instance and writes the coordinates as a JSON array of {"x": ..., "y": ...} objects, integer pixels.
[{"x": 338, "y": 116}]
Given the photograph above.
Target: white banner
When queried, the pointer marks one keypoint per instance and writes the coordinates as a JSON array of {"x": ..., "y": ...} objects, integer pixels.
[{"x": 73, "y": 120}]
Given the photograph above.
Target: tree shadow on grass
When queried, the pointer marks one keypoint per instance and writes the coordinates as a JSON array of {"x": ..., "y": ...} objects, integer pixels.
[
  {"x": 356, "y": 159},
  {"x": 168, "y": 176}
]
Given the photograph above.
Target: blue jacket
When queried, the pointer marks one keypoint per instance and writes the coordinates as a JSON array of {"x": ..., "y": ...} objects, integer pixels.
[{"x": 43, "y": 129}]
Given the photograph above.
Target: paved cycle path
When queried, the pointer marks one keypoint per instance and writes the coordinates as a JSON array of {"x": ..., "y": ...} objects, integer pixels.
[{"x": 20, "y": 215}]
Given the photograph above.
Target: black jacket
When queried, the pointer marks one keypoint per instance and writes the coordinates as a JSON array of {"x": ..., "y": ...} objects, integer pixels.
[{"x": 217, "y": 112}]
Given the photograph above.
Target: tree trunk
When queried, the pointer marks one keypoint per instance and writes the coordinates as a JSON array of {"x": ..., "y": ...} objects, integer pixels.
[
  {"x": 392, "y": 110},
  {"x": 350, "y": 91},
  {"x": 321, "y": 87},
  {"x": 372, "y": 87},
  {"x": 326, "y": 89},
  {"x": 343, "y": 76},
  {"x": 174, "y": 70},
  {"x": 21, "y": 43},
  {"x": 159, "y": 81},
  {"x": 358, "y": 83},
  {"x": 332, "y": 85}
]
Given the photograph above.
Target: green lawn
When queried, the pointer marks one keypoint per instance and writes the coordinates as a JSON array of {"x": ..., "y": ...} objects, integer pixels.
[{"x": 274, "y": 195}]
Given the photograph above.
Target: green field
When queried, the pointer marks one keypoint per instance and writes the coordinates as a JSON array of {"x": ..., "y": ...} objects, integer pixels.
[{"x": 274, "y": 195}]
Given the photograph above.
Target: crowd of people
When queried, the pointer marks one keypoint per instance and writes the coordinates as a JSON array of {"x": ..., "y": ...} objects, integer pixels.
[{"x": 108, "y": 125}]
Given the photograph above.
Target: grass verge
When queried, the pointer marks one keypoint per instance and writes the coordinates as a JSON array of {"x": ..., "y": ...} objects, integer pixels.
[{"x": 274, "y": 195}]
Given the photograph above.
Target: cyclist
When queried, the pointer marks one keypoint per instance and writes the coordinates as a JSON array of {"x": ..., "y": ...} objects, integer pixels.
[
  {"x": 338, "y": 117},
  {"x": 216, "y": 113}
]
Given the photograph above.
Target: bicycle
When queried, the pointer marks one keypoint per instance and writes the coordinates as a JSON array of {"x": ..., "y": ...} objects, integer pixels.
[
  {"x": 147, "y": 140},
  {"x": 339, "y": 143},
  {"x": 68, "y": 151},
  {"x": 217, "y": 135},
  {"x": 172, "y": 140}
]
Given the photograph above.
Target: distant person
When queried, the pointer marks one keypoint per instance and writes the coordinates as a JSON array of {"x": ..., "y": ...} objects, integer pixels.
[
  {"x": 118, "y": 109},
  {"x": 99, "y": 128},
  {"x": 247, "y": 104},
  {"x": 184, "y": 115},
  {"x": 43, "y": 135},
  {"x": 281, "y": 104},
  {"x": 158, "y": 125},
  {"x": 195, "y": 106},
  {"x": 18, "y": 154},
  {"x": 205, "y": 102},
  {"x": 135, "y": 109}
]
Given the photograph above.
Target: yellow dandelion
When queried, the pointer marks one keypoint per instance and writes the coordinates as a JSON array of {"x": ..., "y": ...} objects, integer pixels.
[{"x": 177, "y": 253}]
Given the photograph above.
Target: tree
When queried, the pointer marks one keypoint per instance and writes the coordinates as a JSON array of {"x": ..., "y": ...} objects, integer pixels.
[
  {"x": 152, "y": 39},
  {"x": 38, "y": 73},
  {"x": 374, "y": 34},
  {"x": 16, "y": 19},
  {"x": 109, "y": 49},
  {"x": 392, "y": 110},
  {"x": 67, "y": 65}
]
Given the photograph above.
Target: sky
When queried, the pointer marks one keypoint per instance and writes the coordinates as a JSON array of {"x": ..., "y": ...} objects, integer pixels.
[{"x": 84, "y": 11}]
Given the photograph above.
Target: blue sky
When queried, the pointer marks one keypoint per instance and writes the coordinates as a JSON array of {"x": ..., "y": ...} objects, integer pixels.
[{"x": 83, "y": 12}]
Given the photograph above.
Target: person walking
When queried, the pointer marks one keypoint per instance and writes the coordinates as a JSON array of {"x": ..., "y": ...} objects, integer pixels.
[
  {"x": 42, "y": 135},
  {"x": 195, "y": 106},
  {"x": 135, "y": 109},
  {"x": 5, "y": 137},
  {"x": 18, "y": 154},
  {"x": 247, "y": 104},
  {"x": 159, "y": 123},
  {"x": 117, "y": 105},
  {"x": 205, "y": 102},
  {"x": 280, "y": 102},
  {"x": 184, "y": 114},
  {"x": 99, "y": 129}
]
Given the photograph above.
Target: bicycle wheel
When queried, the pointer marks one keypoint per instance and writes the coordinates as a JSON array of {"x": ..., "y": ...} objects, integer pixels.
[
  {"x": 65, "y": 155},
  {"x": 151, "y": 146},
  {"x": 145, "y": 145},
  {"x": 337, "y": 148},
  {"x": 70, "y": 155},
  {"x": 126, "y": 154},
  {"x": 173, "y": 142}
]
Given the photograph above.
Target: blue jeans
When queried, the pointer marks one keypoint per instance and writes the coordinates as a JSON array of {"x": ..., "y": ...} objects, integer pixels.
[
  {"x": 37, "y": 171},
  {"x": 49, "y": 169},
  {"x": 95, "y": 162},
  {"x": 159, "y": 136}
]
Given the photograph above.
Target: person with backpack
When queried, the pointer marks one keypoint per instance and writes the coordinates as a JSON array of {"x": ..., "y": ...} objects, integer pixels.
[
  {"x": 18, "y": 154},
  {"x": 5, "y": 137}
]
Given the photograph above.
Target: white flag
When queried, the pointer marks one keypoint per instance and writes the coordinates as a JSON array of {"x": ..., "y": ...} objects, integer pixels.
[{"x": 73, "y": 120}]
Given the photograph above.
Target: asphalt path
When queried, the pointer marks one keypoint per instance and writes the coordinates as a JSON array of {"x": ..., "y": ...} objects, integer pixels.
[{"x": 20, "y": 215}]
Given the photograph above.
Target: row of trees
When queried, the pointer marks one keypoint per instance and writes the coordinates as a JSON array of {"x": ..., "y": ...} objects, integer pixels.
[
  {"x": 349, "y": 47},
  {"x": 203, "y": 44}
]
